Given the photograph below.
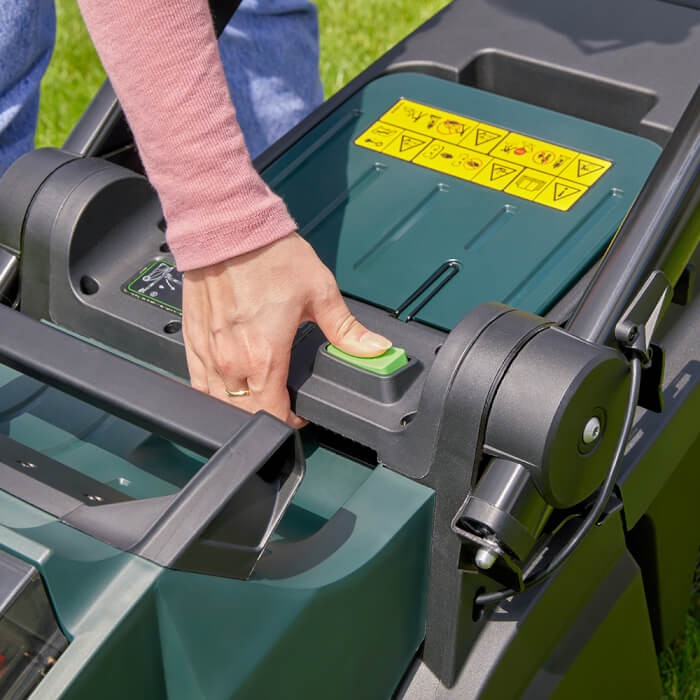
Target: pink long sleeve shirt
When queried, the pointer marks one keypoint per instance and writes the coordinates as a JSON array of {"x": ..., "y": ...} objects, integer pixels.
[{"x": 163, "y": 62}]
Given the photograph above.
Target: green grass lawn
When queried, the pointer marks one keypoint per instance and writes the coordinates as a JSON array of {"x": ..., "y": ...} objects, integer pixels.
[
  {"x": 352, "y": 36},
  {"x": 350, "y": 41}
]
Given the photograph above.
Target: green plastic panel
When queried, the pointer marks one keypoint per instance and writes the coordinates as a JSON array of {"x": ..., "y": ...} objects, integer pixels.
[
  {"x": 335, "y": 608},
  {"x": 86, "y": 439},
  {"x": 385, "y": 225}
]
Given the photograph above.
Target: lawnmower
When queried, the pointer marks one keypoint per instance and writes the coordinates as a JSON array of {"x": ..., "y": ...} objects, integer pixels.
[{"x": 502, "y": 505}]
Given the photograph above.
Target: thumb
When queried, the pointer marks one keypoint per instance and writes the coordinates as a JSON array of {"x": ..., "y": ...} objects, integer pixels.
[{"x": 344, "y": 331}]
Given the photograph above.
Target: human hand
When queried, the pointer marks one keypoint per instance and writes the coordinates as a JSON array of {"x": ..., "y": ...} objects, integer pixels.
[{"x": 240, "y": 317}]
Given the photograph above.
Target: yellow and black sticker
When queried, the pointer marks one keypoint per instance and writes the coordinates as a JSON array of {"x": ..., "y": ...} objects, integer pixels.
[
  {"x": 378, "y": 136},
  {"x": 483, "y": 138},
  {"x": 560, "y": 194},
  {"x": 529, "y": 184},
  {"x": 488, "y": 155},
  {"x": 533, "y": 153},
  {"x": 586, "y": 169},
  {"x": 497, "y": 174},
  {"x": 429, "y": 121},
  {"x": 407, "y": 145},
  {"x": 451, "y": 159}
]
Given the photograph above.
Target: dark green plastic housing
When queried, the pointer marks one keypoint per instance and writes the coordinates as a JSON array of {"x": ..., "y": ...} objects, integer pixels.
[{"x": 386, "y": 226}]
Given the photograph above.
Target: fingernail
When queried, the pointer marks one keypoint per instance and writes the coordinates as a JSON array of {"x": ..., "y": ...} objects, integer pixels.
[{"x": 374, "y": 341}]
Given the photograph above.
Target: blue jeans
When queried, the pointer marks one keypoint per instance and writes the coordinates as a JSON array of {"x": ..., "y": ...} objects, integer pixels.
[{"x": 269, "y": 50}]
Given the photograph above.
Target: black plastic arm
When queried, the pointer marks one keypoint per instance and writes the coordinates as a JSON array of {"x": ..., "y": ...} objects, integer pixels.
[
  {"x": 660, "y": 232},
  {"x": 120, "y": 387},
  {"x": 219, "y": 522},
  {"x": 222, "y": 519}
]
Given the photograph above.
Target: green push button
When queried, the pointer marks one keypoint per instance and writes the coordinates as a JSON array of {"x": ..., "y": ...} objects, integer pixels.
[{"x": 388, "y": 363}]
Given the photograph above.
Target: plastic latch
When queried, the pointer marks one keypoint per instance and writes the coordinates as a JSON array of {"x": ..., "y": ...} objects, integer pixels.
[{"x": 387, "y": 363}]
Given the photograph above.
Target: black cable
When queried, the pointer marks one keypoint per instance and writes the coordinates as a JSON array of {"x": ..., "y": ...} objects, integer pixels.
[{"x": 596, "y": 508}]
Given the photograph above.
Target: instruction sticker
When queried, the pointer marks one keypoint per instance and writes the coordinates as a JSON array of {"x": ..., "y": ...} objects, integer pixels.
[
  {"x": 484, "y": 138},
  {"x": 497, "y": 175},
  {"x": 529, "y": 184},
  {"x": 488, "y": 155},
  {"x": 560, "y": 194},
  {"x": 407, "y": 145},
  {"x": 158, "y": 283},
  {"x": 378, "y": 136},
  {"x": 586, "y": 170},
  {"x": 452, "y": 160},
  {"x": 429, "y": 121},
  {"x": 533, "y": 153}
]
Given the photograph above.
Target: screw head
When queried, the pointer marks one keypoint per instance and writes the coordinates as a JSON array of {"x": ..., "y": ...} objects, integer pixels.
[
  {"x": 591, "y": 431},
  {"x": 26, "y": 465},
  {"x": 485, "y": 558},
  {"x": 94, "y": 499},
  {"x": 632, "y": 335}
]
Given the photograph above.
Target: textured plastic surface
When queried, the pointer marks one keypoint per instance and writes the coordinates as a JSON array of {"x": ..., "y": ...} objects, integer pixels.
[
  {"x": 387, "y": 363},
  {"x": 384, "y": 224}
]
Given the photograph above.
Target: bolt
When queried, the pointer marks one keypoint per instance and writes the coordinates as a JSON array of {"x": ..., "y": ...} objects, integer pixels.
[
  {"x": 485, "y": 558},
  {"x": 591, "y": 431},
  {"x": 94, "y": 499},
  {"x": 632, "y": 334},
  {"x": 26, "y": 465}
]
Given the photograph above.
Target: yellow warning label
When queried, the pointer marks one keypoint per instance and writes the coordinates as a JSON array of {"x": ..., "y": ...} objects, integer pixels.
[
  {"x": 378, "y": 136},
  {"x": 452, "y": 160},
  {"x": 586, "y": 169},
  {"x": 429, "y": 121},
  {"x": 483, "y": 138},
  {"x": 560, "y": 194},
  {"x": 529, "y": 184},
  {"x": 407, "y": 145},
  {"x": 533, "y": 153},
  {"x": 497, "y": 174},
  {"x": 488, "y": 155}
]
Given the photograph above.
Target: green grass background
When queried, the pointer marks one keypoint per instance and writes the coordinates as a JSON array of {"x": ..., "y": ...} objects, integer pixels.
[{"x": 353, "y": 34}]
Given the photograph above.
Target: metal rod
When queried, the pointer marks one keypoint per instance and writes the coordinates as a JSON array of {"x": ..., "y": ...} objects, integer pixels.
[{"x": 660, "y": 232}]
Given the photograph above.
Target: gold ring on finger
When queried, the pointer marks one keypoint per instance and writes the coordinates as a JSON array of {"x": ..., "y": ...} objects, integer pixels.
[{"x": 237, "y": 394}]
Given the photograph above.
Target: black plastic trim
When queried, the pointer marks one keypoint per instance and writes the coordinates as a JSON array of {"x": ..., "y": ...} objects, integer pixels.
[{"x": 654, "y": 236}]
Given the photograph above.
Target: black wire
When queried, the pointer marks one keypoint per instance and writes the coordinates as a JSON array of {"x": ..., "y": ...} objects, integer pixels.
[{"x": 597, "y": 507}]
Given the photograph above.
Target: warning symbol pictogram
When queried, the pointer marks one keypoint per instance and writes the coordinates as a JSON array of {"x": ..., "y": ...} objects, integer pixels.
[
  {"x": 410, "y": 142},
  {"x": 499, "y": 170},
  {"x": 542, "y": 172},
  {"x": 561, "y": 191},
  {"x": 586, "y": 167},
  {"x": 543, "y": 157},
  {"x": 472, "y": 163},
  {"x": 560, "y": 194},
  {"x": 451, "y": 127},
  {"x": 407, "y": 145},
  {"x": 451, "y": 159},
  {"x": 422, "y": 119},
  {"x": 483, "y": 136},
  {"x": 497, "y": 174}
]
